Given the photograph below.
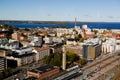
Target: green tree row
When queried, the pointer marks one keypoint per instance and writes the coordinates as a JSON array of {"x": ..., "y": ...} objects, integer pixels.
[
  {"x": 53, "y": 59},
  {"x": 9, "y": 27},
  {"x": 56, "y": 59},
  {"x": 71, "y": 57}
]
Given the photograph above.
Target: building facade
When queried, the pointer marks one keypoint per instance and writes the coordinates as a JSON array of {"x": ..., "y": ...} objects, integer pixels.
[
  {"x": 41, "y": 52},
  {"x": 3, "y": 63},
  {"x": 36, "y": 41},
  {"x": 91, "y": 51},
  {"x": 61, "y": 31},
  {"x": 22, "y": 56},
  {"x": 21, "y": 60}
]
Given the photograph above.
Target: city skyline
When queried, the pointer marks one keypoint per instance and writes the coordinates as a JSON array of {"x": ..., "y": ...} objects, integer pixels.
[{"x": 61, "y": 10}]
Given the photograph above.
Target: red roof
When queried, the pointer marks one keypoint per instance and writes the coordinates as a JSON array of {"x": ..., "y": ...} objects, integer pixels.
[
  {"x": 41, "y": 48},
  {"x": 89, "y": 35}
]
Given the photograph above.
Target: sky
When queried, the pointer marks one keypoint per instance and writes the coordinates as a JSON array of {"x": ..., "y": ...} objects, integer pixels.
[{"x": 61, "y": 10}]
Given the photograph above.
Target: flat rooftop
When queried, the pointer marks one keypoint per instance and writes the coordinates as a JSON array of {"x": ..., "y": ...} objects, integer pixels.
[
  {"x": 15, "y": 54},
  {"x": 23, "y": 48},
  {"x": 3, "y": 49},
  {"x": 43, "y": 69}
]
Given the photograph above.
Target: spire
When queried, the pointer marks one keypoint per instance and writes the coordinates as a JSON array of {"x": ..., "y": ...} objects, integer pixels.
[{"x": 75, "y": 21}]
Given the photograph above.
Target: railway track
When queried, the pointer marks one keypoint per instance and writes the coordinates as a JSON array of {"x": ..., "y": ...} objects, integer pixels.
[{"x": 96, "y": 62}]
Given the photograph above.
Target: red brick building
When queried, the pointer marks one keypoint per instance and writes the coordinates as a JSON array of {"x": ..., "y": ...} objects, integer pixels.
[{"x": 43, "y": 72}]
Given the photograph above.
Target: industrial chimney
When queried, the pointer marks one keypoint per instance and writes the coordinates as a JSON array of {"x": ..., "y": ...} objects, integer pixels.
[{"x": 64, "y": 57}]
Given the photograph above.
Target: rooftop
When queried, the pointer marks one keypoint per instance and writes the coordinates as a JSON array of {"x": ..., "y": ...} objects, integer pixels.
[
  {"x": 56, "y": 45},
  {"x": 3, "y": 49},
  {"x": 15, "y": 54},
  {"x": 43, "y": 69},
  {"x": 22, "y": 48},
  {"x": 41, "y": 48}
]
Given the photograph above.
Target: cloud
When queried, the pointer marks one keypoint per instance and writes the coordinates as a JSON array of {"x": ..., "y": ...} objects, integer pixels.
[
  {"x": 118, "y": 17},
  {"x": 48, "y": 14},
  {"x": 111, "y": 17},
  {"x": 87, "y": 15}
]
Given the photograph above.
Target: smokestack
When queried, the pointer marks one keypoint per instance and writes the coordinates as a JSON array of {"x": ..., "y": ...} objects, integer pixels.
[
  {"x": 64, "y": 58},
  {"x": 75, "y": 21}
]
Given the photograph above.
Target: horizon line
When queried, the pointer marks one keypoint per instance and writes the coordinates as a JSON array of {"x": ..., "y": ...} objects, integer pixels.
[{"x": 61, "y": 21}]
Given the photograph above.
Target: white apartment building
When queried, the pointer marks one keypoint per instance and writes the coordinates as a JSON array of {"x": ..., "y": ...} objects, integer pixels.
[
  {"x": 93, "y": 40},
  {"x": 22, "y": 59},
  {"x": 109, "y": 45},
  {"x": 22, "y": 56},
  {"x": 61, "y": 31},
  {"x": 9, "y": 44},
  {"x": 36, "y": 41},
  {"x": 41, "y": 52},
  {"x": 48, "y": 39},
  {"x": 58, "y": 40}
]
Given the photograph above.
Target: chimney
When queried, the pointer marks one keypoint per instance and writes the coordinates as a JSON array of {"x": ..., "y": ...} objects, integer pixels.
[{"x": 64, "y": 58}]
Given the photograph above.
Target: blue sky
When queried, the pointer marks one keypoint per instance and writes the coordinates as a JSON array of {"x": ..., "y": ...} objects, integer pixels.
[{"x": 60, "y": 10}]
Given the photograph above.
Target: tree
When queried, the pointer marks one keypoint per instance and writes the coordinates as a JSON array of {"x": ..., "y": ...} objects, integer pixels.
[
  {"x": 5, "y": 73},
  {"x": 46, "y": 59},
  {"x": 71, "y": 57},
  {"x": 1, "y": 76},
  {"x": 95, "y": 31},
  {"x": 10, "y": 28},
  {"x": 81, "y": 39},
  {"x": 9, "y": 70},
  {"x": 27, "y": 29},
  {"x": 53, "y": 59},
  {"x": 80, "y": 36},
  {"x": 74, "y": 30},
  {"x": 58, "y": 59},
  {"x": 63, "y": 35},
  {"x": 52, "y": 62},
  {"x": 104, "y": 32},
  {"x": 83, "y": 61}
]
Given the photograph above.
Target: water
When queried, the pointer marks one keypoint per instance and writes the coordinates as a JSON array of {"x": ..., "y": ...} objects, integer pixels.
[{"x": 100, "y": 25}]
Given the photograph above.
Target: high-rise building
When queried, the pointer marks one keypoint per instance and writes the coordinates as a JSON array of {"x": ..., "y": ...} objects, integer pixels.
[
  {"x": 84, "y": 51},
  {"x": 91, "y": 51}
]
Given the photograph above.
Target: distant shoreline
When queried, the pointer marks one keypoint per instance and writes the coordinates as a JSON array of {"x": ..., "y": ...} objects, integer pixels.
[{"x": 50, "y": 24}]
